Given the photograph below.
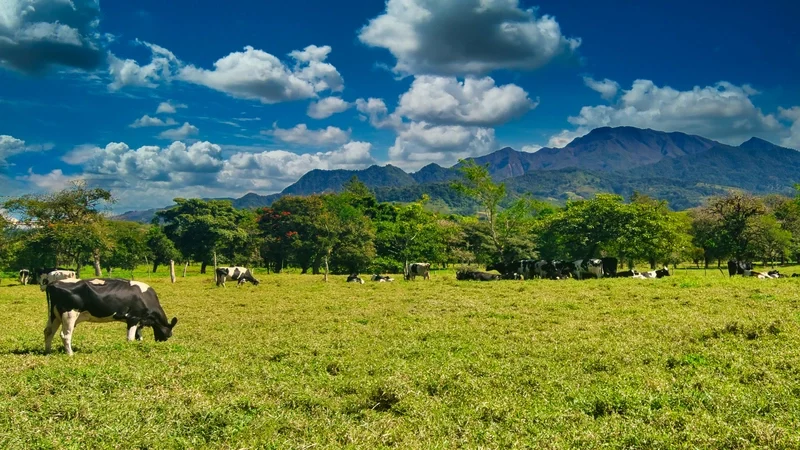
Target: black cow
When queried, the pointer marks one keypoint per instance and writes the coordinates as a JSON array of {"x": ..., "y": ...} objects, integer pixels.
[
  {"x": 610, "y": 265},
  {"x": 353, "y": 278},
  {"x": 382, "y": 278},
  {"x": 238, "y": 274},
  {"x": 475, "y": 275},
  {"x": 796, "y": 275},
  {"x": 739, "y": 267},
  {"x": 72, "y": 301},
  {"x": 24, "y": 276},
  {"x": 418, "y": 269}
]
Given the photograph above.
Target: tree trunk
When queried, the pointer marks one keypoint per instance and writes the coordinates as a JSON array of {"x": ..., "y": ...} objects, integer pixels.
[
  {"x": 171, "y": 271},
  {"x": 316, "y": 265},
  {"x": 215, "y": 264},
  {"x": 184, "y": 269},
  {"x": 155, "y": 266},
  {"x": 203, "y": 267},
  {"x": 98, "y": 272},
  {"x": 326, "y": 268}
]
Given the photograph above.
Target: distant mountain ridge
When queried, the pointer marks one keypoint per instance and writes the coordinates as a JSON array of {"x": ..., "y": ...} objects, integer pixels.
[{"x": 681, "y": 168}]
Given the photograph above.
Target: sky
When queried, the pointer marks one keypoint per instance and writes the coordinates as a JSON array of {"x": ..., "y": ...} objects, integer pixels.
[{"x": 155, "y": 100}]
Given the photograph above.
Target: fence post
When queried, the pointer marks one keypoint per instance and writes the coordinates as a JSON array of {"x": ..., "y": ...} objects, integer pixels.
[{"x": 172, "y": 270}]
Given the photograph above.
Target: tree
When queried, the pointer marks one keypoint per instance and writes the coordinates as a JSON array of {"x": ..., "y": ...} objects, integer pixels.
[
  {"x": 477, "y": 184},
  {"x": 410, "y": 234},
  {"x": 161, "y": 249},
  {"x": 200, "y": 228},
  {"x": 724, "y": 225},
  {"x": 127, "y": 245},
  {"x": 67, "y": 226}
]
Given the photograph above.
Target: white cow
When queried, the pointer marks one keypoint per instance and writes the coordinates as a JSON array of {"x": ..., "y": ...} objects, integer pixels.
[{"x": 50, "y": 277}]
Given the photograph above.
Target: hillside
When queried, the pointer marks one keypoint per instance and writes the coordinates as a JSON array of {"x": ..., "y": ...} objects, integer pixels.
[{"x": 318, "y": 181}]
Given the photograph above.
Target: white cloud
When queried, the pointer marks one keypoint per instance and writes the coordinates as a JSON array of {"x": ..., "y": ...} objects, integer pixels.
[
  {"x": 300, "y": 134},
  {"x": 177, "y": 134},
  {"x": 147, "y": 121},
  {"x": 724, "y": 112},
  {"x": 79, "y": 155},
  {"x": 607, "y": 88},
  {"x": 168, "y": 108},
  {"x": 792, "y": 115},
  {"x": 276, "y": 169},
  {"x": 11, "y": 146},
  {"x": 375, "y": 110},
  {"x": 422, "y": 143},
  {"x": 257, "y": 75},
  {"x": 128, "y": 72},
  {"x": 473, "y": 102},
  {"x": 38, "y": 34},
  {"x": 457, "y": 37},
  {"x": 531, "y": 148},
  {"x": 327, "y": 107},
  {"x": 55, "y": 180}
]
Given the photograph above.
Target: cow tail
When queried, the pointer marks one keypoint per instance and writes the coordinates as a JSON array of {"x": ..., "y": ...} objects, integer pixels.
[{"x": 49, "y": 306}]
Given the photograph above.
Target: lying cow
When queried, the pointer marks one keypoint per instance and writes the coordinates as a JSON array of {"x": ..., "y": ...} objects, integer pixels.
[
  {"x": 475, "y": 275},
  {"x": 739, "y": 268},
  {"x": 418, "y": 269},
  {"x": 238, "y": 274},
  {"x": 24, "y": 276},
  {"x": 72, "y": 301},
  {"x": 354, "y": 278},
  {"x": 796, "y": 275},
  {"x": 628, "y": 273},
  {"x": 660, "y": 273},
  {"x": 382, "y": 278},
  {"x": 55, "y": 275}
]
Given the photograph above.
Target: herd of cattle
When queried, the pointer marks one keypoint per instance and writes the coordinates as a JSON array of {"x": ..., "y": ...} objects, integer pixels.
[{"x": 71, "y": 301}]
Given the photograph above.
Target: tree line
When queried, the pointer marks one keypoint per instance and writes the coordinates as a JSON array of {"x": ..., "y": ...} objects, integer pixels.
[{"x": 351, "y": 232}]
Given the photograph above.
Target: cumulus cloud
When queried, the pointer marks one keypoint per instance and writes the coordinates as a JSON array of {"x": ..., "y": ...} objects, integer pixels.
[
  {"x": 38, "y": 34},
  {"x": 257, "y": 75},
  {"x": 421, "y": 143},
  {"x": 183, "y": 132},
  {"x": 128, "y": 72},
  {"x": 456, "y": 37},
  {"x": 724, "y": 112},
  {"x": 276, "y": 169},
  {"x": 327, "y": 107},
  {"x": 55, "y": 180},
  {"x": 607, "y": 88},
  {"x": 147, "y": 121},
  {"x": 300, "y": 134},
  {"x": 168, "y": 108},
  {"x": 11, "y": 146},
  {"x": 375, "y": 111},
  {"x": 792, "y": 115},
  {"x": 473, "y": 102}
]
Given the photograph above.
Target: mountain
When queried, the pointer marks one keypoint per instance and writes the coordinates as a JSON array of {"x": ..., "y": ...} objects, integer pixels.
[
  {"x": 680, "y": 168},
  {"x": 318, "y": 181},
  {"x": 756, "y": 166},
  {"x": 603, "y": 149}
]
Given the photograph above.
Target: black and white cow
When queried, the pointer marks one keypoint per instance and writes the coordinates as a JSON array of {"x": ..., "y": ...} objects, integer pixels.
[
  {"x": 610, "y": 265},
  {"x": 628, "y": 273},
  {"x": 660, "y": 273},
  {"x": 50, "y": 276},
  {"x": 419, "y": 269},
  {"x": 382, "y": 278},
  {"x": 739, "y": 268},
  {"x": 587, "y": 268},
  {"x": 24, "y": 276},
  {"x": 354, "y": 278},
  {"x": 72, "y": 301},
  {"x": 238, "y": 274},
  {"x": 474, "y": 275}
]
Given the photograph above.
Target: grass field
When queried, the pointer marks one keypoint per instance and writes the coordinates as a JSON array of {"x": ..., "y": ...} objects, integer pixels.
[{"x": 692, "y": 361}]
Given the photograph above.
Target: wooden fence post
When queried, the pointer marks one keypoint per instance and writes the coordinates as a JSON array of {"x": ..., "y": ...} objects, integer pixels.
[{"x": 172, "y": 270}]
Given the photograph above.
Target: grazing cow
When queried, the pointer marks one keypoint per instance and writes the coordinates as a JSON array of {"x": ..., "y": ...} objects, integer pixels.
[
  {"x": 583, "y": 268},
  {"x": 238, "y": 274},
  {"x": 475, "y": 275},
  {"x": 559, "y": 270},
  {"x": 512, "y": 276},
  {"x": 24, "y": 276},
  {"x": 72, "y": 301},
  {"x": 382, "y": 278},
  {"x": 527, "y": 268},
  {"x": 739, "y": 268},
  {"x": 353, "y": 278},
  {"x": 610, "y": 266},
  {"x": 418, "y": 269},
  {"x": 54, "y": 275}
]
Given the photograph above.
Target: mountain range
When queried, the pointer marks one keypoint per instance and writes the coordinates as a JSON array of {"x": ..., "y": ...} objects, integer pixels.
[{"x": 680, "y": 168}]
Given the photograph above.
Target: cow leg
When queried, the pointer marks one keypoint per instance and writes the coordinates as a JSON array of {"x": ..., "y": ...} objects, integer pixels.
[
  {"x": 133, "y": 331},
  {"x": 53, "y": 324},
  {"x": 68, "y": 321}
]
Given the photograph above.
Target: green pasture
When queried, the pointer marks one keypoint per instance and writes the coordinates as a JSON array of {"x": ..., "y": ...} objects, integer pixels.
[{"x": 696, "y": 360}]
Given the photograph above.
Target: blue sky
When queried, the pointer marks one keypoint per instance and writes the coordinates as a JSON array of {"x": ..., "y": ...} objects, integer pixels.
[{"x": 156, "y": 99}]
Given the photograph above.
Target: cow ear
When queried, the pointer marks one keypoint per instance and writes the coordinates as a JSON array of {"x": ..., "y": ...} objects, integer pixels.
[{"x": 174, "y": 321}]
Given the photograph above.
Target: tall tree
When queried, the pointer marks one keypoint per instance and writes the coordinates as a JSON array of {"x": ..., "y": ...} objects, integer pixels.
[
  {"x": 477, "y": 184},
  {"x": 161, "y": 249},
  {"x": 126, "y": 247}
]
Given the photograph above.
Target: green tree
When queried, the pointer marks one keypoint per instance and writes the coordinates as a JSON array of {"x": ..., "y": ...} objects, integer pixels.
[
  {"x": 727, "y": 220},
  {"x": 161, "y": 249},
  {"x": 127, "y": 246},
  {"x": 477, "y": 184}
]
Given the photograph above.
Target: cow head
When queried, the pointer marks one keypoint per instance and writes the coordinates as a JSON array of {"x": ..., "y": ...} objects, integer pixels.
[{"x": 164, "y": 332}]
